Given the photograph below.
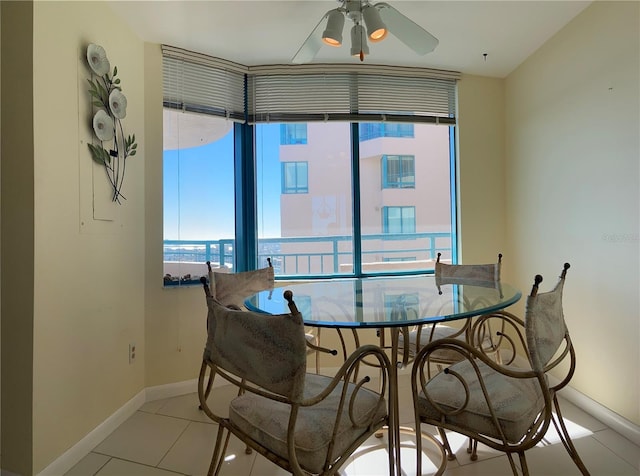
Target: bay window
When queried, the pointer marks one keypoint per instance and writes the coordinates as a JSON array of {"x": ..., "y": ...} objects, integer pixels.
[{"x": 305, "y": 169}]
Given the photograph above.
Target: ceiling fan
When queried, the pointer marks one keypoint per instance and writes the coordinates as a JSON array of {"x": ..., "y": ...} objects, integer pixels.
[{"x": 379, "y": 20}]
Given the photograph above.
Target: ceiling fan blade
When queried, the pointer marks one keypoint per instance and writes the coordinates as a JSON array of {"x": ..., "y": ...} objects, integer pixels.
[
  {"x": 312, "y": 44},
  {"x": 406, "y": 30}
]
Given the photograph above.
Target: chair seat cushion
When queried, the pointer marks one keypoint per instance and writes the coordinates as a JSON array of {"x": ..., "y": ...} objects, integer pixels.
[
  {"x": 516, "y": 402},
  {"x": 426, "y": 336},
  {"x": 266, "y": 421}
]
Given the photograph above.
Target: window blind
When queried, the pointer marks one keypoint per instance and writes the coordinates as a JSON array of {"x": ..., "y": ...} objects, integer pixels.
[
  {"x": 305, "y": 93},
  {"x": 199, "y": 83}
]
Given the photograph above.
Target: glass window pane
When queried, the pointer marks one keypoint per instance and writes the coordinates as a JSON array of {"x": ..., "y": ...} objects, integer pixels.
[
  {"x": 301, "y": 176},
  {"x": 374, "y": 130},
  {"x": 398, "y": 171},
  {"x": 304, "y": 198},
  {"x": 294, "y": 177},
  {"x": 407, "y": 221},
  {"x": 308, "y": 233},
  {"x": 198, "y": 175},
  {"x": 293, "y": 134}
]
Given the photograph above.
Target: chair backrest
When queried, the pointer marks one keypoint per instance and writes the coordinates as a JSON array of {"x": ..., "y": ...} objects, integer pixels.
[
  {"x": 487, "y": 275},
  {"x": 264, "y": 349},
  {"x": 544, "y": 323},
  {"x": 231, "y": 289},
  {"x": 477, "y": 272}
]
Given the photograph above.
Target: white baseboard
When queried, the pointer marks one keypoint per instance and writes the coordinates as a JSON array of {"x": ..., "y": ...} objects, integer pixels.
[
  {"x": 614, "y": 421},
  {"x": 171, "y": 390},
  {"x": 78, "y": 451},
  {"x": 72, "y": 456}
]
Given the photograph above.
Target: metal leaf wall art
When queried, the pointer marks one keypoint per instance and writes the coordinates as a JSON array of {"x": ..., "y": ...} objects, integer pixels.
[{"x": 110, "y": 104}]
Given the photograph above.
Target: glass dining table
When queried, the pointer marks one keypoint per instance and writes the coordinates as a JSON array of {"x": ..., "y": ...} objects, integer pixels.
[{"x": 389, "y": 302}]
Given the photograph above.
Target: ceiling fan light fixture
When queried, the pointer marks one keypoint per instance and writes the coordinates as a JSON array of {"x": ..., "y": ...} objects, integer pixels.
[
  {"x": 376, "y": 29},
  {"x": 376, "y": 19},
  {"x": 359, "y": 45},
  {"x": 332, "y": 34}
]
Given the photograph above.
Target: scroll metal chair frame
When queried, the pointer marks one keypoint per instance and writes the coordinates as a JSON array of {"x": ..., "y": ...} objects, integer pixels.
[
  {"x": 231, "y": 289},
  {"x": 477, "y": 333},
  {"x": 303, "y": 422},
  {"x": 506, "y": 408}
]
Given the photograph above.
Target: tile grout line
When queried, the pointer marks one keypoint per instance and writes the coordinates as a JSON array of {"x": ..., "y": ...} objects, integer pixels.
[{"x": 173, "y": 444}]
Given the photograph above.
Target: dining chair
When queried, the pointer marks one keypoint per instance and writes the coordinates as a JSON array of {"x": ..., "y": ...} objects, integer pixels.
[
  {"x": 411, "y": 340},
  {"x": 507, "y": 408},
  {"x": 304, "y": 422},
  {"x": 231, "y": 289}
]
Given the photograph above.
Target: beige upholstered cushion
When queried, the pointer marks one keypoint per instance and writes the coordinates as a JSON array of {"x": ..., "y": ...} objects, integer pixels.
[
  {"x": 516, "y": 402},
  {"x": 266, "y": 421},
  {"x": 545, "y": 327},
  {"x": 475, "y": 272},
  {"x": 487, "y": 275},
  {"x": 231, "y": 289},
  {"x": 273, "y": 352}
]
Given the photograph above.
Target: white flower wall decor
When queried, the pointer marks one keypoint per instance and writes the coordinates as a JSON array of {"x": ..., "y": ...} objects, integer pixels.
[{"x": 106, "y": 95}]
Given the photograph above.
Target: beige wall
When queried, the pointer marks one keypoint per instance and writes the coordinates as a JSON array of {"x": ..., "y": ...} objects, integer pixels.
[
  {"x": 548, "y": 173},
  {"x": 481, "y": 162},
  {"x": 89, "y": 274},
  {"x": 86, "y": 285},
  {"x": 572, "y": 147},
  {"x": 175, "y": 329}
]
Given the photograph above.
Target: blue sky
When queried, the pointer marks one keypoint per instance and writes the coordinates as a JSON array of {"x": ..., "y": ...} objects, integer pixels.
[{"x": 199, "y": 189}]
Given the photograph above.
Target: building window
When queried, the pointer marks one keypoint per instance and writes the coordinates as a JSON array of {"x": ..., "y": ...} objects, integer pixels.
[
  {"x": 293, "y": 134},
  {"x": 398, "y": 220},
  {"x": 374, "y": 130},
  {"x": 295, "y": 177},
  {"x": 398, "y": 171}
]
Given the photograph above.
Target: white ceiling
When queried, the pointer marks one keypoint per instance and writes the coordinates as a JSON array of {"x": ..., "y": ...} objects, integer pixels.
[{"x": 270, "y": 32}]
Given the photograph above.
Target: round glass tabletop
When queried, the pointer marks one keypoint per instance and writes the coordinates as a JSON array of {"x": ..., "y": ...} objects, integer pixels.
[{"x": 386, "y": 301}]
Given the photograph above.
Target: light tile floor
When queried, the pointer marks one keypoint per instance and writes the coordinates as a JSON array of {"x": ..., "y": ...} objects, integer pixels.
[{"x": 172, "y": 437}]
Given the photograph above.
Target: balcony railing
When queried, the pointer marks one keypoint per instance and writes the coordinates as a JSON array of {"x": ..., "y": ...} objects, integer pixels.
[{"x": 308, "y": 256}]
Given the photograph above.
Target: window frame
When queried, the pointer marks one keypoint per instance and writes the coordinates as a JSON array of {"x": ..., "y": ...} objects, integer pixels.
[
  {"x": 400, "y": 183},
  {"x": 294, "y": 189},
  {"x": 401, "y": 209},
  {"x": 246, "y": 244},
  {"x": 293, "y": 133}
]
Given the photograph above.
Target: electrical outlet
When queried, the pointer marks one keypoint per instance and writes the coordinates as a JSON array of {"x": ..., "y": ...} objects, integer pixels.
[{"x": 132, "y": 353}]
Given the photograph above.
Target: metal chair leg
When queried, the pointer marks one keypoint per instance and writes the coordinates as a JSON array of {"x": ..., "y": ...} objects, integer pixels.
[
  {"x": 561, "y": 428},
  {"x": 447, "y": 447},
  {"x": 472, "y": 449}
]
